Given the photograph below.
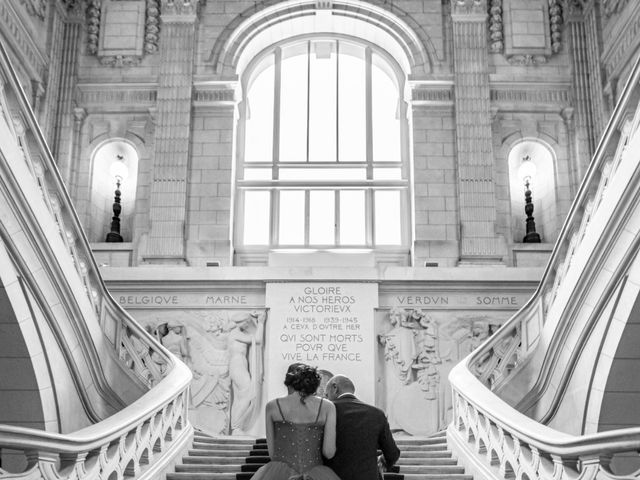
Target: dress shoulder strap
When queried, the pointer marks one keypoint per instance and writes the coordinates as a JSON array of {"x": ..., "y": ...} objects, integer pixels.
[
  {"x": 319, "y": 408},
  {"x": 280, "y": 409}
]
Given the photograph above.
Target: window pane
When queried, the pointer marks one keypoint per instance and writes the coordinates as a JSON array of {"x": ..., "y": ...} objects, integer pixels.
[
  {"x": 322, "y": 103},
  {"x": 385, "y": 120},
  {"x": 291, "y": 217},
  {"x": 322, "y": 226},
  {"x": 387, "y": 174},
  {"x": 387, "y": 218},
  {"x": 352, "y": 212},
  {"x": 259, "y": 125},
  {"x": 257, "y": 174},
  {"x": 319, "y": 174},
  {"x": 257, "y": 208},
  {"x": 293, "y": 105},
  {"x": 352, "y": 105}
]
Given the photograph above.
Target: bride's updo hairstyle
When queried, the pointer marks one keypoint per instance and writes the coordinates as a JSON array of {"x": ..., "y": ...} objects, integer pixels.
[{"x": 303, "y": 378}]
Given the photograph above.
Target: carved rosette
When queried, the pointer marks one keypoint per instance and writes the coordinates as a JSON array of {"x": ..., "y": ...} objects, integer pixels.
[
  {"x": 496, "y": 25},
  {"x": 93, "y": 25},
  {"x": 555, "y": 25},
  {"x": 152, "y": 27}
]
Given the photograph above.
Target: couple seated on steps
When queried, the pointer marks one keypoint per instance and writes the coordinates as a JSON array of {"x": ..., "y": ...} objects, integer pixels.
[{"x": 313, "y": 438}]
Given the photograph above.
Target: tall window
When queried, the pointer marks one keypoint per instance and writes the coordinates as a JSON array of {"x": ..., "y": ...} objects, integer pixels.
[{"x": 322, "y": 163}]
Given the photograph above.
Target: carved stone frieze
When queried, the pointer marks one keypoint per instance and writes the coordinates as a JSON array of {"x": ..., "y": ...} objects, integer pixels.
[
  {"x": 614, "y": 58},
  {"x": 538, "y": 96},
  {"x": 214, "y": 96},
  {"x": 121, "y": 94},
  {"x": 432, "y": 95},
  {"x": 32, "y": 59},
  {"x": 36, "y": 8},
  {"x": 496, "y": 26},
  {"x": 527, "y": 59}
]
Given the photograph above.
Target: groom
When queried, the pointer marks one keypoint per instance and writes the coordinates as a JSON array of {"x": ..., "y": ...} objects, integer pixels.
[{"x": 361, "y": 430}]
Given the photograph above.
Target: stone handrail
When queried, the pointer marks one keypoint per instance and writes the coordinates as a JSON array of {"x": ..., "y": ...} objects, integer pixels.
[
  {"x": 141, "y": 437},
  {"x": 501, "y": 442}
]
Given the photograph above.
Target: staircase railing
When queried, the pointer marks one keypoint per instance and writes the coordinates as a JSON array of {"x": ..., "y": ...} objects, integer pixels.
[
  {"x": 141, "y": 438},
  {"x": 498, "y": 440}
]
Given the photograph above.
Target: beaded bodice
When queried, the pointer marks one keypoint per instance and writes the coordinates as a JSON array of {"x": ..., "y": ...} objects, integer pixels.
[{"x": 298, "y": 444}]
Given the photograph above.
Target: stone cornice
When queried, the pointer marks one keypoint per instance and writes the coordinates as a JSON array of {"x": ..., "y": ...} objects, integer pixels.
[
  {"x": 432, "y": 93},
  {"x": 558, "y": 95},
  {"x": 116, "y": 94},
  {"x": 214, "y": 94}
]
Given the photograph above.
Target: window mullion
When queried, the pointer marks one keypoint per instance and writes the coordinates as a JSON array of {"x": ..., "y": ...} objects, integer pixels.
[
  {"x": 337, "y": 101},
  {"x": 307, "y": 214},
  {"x": 275, "y": 218},
  {"x": 369, "y": 207},
  {"x": 369, "y": 113},
  {"x": 277, "y": 84},
  {"x": 336, "y": 217},
  {"x": 308, "y": 94}
]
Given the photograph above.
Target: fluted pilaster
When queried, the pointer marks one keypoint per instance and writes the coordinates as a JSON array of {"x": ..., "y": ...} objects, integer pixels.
[
  {"x": 172, "y": 138},
  {"x": 476, "y": 188}
]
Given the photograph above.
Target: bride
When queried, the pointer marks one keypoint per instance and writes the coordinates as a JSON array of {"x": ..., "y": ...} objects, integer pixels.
[{"x": 301, "y": 428}]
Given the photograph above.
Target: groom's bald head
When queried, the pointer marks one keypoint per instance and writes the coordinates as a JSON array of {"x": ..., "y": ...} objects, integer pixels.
[{"x": 337, "y": 385}]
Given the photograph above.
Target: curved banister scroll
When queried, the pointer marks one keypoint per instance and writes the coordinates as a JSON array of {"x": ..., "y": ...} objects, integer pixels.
[
  {"x": 497, "y": 439},
  {"x": 142, "y": 435}
]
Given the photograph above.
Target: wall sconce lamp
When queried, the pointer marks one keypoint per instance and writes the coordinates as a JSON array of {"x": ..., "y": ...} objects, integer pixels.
[
  {"x": 119, "y": 172},
  {"x": 527, "y": 172}
]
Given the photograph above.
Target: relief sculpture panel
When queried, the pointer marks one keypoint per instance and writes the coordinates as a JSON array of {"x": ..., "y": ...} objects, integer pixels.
[
  {"x": 417, "y": 349},
  {"x": 224, "y": 349}
]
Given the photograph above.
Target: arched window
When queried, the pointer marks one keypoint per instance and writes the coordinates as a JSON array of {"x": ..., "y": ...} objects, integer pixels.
[{"x": 322, "y": 150}]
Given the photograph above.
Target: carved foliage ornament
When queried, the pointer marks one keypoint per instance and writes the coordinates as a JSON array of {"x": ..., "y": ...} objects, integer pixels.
[
  {"x": 180, "y": 7},
  {"x": 496, "y": 37},
  {"x": 468, "y": 6},
  {"x": 555, "y": 24}
]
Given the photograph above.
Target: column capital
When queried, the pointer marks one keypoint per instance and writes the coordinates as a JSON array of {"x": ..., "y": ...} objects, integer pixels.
[
  {"x": 179, "y": 11},
  {"x": 469, "y": 10}
]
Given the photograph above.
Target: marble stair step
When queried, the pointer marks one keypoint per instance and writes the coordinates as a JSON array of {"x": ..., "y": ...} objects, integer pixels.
[
  {"x": 420, "y": 441},
  {"x": 207, "y": 452},
  {"x": 436, "y": 476},
  {"x": 422, "y": 448},
  {"x": 430, "y": 469},
  {"x": 427, "y": 461},
  {"x": 426, "y": 454},
  {"x": 228, "y": 446},
  {"x": 212, "y": 459},
  {"x": 196, "y": 468},
  {"x": 202, "y": 476},
  {"x": 224, "y": 440}
]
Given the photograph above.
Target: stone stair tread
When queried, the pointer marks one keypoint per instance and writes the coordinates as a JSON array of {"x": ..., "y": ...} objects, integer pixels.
[
  {"x": 426, "y": 454},
  {"x": 220, "y": 453},
  {"x": 431, "y": 469},
  {"x": 197, "y": 468},
  {"x": 426, "y": 461},
  {"x": 202, "y": 476},
  {"x": 212, "y": 459},
  {"x": 225, "y": 446},
  {"x": 436, "y": 476}
]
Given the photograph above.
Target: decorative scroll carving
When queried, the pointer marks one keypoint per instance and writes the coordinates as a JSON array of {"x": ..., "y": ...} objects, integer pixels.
[
  {"x": 555, "y": 24},
  {"x": 36, "y": 8},
  {"x": 93, "y": 25},
  {"x": 496, "y": 25}
]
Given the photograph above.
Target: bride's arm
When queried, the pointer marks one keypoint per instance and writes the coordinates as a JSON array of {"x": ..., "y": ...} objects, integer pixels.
[
  {"x": 329, "y": 439},
  {"x": 269, "y": 412}
]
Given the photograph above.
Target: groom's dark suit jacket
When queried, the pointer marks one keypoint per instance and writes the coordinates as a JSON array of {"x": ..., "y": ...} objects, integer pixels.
[{"x": 361, "y": 430}]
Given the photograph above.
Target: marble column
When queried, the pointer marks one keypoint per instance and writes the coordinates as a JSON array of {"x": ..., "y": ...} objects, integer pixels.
[
  {"x": 166, "y": 243},
  {"x": 479, "y": 242}
]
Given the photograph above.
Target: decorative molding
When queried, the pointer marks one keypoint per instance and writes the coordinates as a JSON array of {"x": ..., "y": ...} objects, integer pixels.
[
  {"x": 614, "y": 59},
  {"x": 527, "y": 59},
  {"x": 432, "y": 94},
  {"x": 214, "y": 95},
  {"x": 116, "y": 94},
  {"x": 496, "y": 26},
  {"x": 36, "y": 8}
]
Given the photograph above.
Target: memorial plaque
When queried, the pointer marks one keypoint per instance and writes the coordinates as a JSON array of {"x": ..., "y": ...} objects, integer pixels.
[{"x": 326, "y": 325}]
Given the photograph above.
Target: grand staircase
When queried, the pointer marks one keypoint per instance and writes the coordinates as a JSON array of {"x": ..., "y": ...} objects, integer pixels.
[{"x": 233, "y": 458}]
